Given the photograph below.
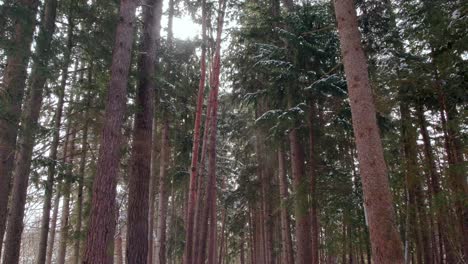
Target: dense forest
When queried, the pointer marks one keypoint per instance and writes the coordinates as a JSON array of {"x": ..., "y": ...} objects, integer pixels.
[{"x": 278, "y": 131}]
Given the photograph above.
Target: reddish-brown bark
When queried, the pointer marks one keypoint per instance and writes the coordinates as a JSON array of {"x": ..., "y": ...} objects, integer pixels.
[
  {"x": 189, "y": 235},
  {"x": 301, "y": 204},
  {"x": 385, "y": 240},
  {"x": 287, "y": 252},
  {"x": 29, "y": 127},
  {"x": 11, "y": 97},
  {"x": 138, "y": 196},
  {"x": 102, "y": 223}
]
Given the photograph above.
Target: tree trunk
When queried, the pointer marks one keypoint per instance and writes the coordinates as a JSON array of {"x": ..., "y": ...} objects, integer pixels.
[
  {"x": 385, "y": 240},
  {"x": 49, "y": 185},
  {"x": 53, "y": 226},
  {"x": 138, "y": 196},
  {"x": 39, "y": 74},
  {"x": 435, "y": 189},
  {"x": 413, "y": 183},
  {"x": 102, "y": 224},
  {"x": 193, "y": 196},
  {"x": 81, "y": 176},
  {"x": 163, "y": 196},
  {"x": 11, "y": 97},
  {"x": 313, "y": 180},
  {"x": 287, "y": 252},
  {"x": 303, "y": 231},
  {"x": 155, "y": 154},
  {"x": 118, "y": 248},
  {"x": 66, "y": 192}
]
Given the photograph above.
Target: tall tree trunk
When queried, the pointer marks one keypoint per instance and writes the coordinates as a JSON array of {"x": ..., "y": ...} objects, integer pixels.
[
  {"x": 435, "y": 189},
  {"x": 200, "y": 222},
  {"x": 66, "y": 192},
  {"x": 53, "y": 226},
  {"x": 287, "y": 252},
  {"x": 385, "y": 240},
  {"x": 39, "y": 74},
  {"x": 11, "y": 97},
  {"x": 413, "y": 183},
  {"x": 102, "y": 223},
  {"x": 81, "y": 176},
  {"x": 138, "y": 196},
  {"x": 163, "y": 195},
  {"x": 313, "y": 180},
  {"x": 155, "y": 153},
  {"x": 223, "y": 227},
  {"x": 49, "y": 185},
  {"x": 301, "y": 206},
  {"x": 193, "y": 195}
]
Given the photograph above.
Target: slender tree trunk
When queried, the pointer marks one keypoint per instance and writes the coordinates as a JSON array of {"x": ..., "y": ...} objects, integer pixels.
[
  {"x": 223, "y": 228},
  {"x": 200, "y": 224},
  {"x": 138, "y": 197},
  {"x": 303, "y": 231},
  {"x": 53, "y": 152},
  {"x": 67, "y": 184},
  {"x": 11, "y": 97},
  {"x": 413, "y": 183},
  {"x": 119, "y": 248},
  {"x": 81, "y": 177},
  {"x": 155, "y": 154},
  {"x": 101, "y": 224},
  {"x": 287, "y": 252},
  {"x": 163, "y": 196},
  {"x": 435, "y": 189},
  {"x": 193, "y": 195},
  {"x": 313, "y": 180},
  {"x": 53, "y": 226},
  {"x": 39, "y": 74},
  {"x": 385, "y": 240}
]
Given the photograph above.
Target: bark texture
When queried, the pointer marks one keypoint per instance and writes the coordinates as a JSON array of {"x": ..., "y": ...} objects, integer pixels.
[
  {"x": 378, "y": 201},
  {"x": 102, "y": 223},
  {"x": 138, "y": 196},
  {"x": 189, "y": 245},
  {"x": 11, "y": 97},
  {"x": 39, "y": 75}
]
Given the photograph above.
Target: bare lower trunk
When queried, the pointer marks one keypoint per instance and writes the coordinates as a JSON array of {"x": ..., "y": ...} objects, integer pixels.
[
  {"x": 287, "y": 253},
  {"x": 53, "y": 226},
  {"x": 313, "y": 180},
  {"x": 119, "y": 248},
  {"x": 193, "y": 196},
  {"x": 11, "y": 97},
  {"x": 301, "y": 210},
  {"x": 102, "y": 223},
  {"x": 67, "y": 184},
  {"x": 138, "y": 197},
  {"x": 385, "y": 240},
  {"x": 163, "y": 196},
  {"x": 81, "y": 177}
]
